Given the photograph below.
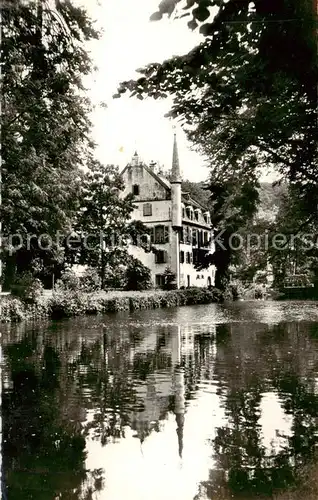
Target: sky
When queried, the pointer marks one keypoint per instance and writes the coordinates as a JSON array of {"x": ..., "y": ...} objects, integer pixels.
[{"x": 130, "y": 41}]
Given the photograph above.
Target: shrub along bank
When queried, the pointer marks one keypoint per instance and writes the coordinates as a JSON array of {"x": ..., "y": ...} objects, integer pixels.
[{"x": 71, "y": 303}]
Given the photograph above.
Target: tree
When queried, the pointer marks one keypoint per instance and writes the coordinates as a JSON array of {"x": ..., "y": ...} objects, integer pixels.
[
  {"x": 248, "y": 92},
  {"x": 138, "y": 276},
  {"x": 198, "y": 191},
  {"x": 297, "y": 222},
  {"x": 233, "y": 204},
  {"x": 44, "y": 123},
  {"x": 104, "y": 220},
  {"x": 246, "y": 95},
  {"x": 169, "y": 279}
]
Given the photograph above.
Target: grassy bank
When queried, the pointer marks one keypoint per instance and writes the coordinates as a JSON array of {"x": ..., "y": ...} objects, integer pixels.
[{"x": 68, "y": 304}]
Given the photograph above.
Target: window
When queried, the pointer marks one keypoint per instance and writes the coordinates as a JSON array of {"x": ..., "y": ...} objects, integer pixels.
[
  {"x": 161, "y": 257},
  {"x": 195, "y": 256},
  {"x": 161, "y": 234},
  {"x": 207, "y": 217},
  {"x": 160, "y": 280},
  {"x": 206, "y": 238},
  {"x": 136, "y": 189},
  {"x": 144, "y": 241},
  {"x": 187, "y": 234},
  {"x": 196, "y": 215},
  {"x": 188, "y": 258},
  {"x": 181, "y": 257},
  {"x": 200, "y": 238},
  {"x": 147, "y": 209},
  {"x": 183, "y": 212},
  {"x": 194, "y": 237},
  {"x": 182, "y": 235},
  {"x": 134, "y": 239}
]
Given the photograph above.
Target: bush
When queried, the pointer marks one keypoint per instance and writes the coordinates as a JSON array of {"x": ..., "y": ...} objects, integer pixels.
[
  {"x": 117, "y": 304},
  {"x": 169, "y": 280},
  {"x": 138, "y": 276},
  {"x": 68, "y": 281},
  {"x": 65, "y": 304},
  {"x": 90, "y": 281},
  {"x": 12, "y": 310},
  {"x": 27, "y": 288},
  {"x": 70, "y": 303},
  {"x": 114, "y": 276}
]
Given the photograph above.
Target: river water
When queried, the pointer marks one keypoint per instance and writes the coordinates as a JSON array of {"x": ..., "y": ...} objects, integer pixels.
[{"x": 195, "y": 403}]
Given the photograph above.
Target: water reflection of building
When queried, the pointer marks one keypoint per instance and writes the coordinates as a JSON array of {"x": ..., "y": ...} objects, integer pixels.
[
  {"x": 178, "y": 383},
  {"x": 164, "y": 392},
  {"x": 175, "y": 358}
]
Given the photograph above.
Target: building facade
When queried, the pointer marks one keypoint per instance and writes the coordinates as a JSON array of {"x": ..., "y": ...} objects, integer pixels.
[{"x": 180, "y": 227}]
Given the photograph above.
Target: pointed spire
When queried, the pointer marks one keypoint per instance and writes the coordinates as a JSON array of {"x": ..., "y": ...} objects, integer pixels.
[
  {"x": 178, "y": 386},
  {"x": 179, "y": 405},
  {"x": 180, "y": 427},
  {"x": 175, "y": 172}
]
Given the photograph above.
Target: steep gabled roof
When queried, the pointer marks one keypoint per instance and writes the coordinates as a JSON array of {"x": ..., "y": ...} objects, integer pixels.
[
  {"x": 167, "y": 185},
  {"x": 163, "y": 182},
  {"x": 189, "y": 200}
]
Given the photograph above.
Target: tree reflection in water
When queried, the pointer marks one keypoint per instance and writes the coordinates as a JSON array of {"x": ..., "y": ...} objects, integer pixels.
[
  {"x": 250, "y": 364},
  {"x": 69, "y": 382},
  {"x": 43, "y": 441},
  {"x": 43, "y": 449}
]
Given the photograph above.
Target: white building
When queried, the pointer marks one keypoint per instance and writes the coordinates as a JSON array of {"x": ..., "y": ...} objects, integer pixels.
[{"x": 180, "y": 226}]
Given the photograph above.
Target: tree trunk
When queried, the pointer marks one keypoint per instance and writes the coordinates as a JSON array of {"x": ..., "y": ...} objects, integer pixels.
[{"x": 102, "y": 267}]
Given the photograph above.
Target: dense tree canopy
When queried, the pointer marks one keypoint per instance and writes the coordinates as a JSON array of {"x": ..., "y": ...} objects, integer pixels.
[
  {"x": 248, "y": 92},
  {"x": 104, "y": 219},
  {"x": 247, "y": 98},
  {"x": 44, "y": 120}
]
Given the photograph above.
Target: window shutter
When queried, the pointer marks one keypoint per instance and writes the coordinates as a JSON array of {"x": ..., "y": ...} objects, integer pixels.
[
  {"x": 205, "y": 238},
  {"x": 165, "y": 257},
  {"x": 194, "y": 236},
  {"x": 166, "y": 234},
  {"x": 147, "y": 209}
]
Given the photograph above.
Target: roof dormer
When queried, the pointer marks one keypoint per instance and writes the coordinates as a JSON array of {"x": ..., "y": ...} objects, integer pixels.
[{"x": 207, "y": 217}]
